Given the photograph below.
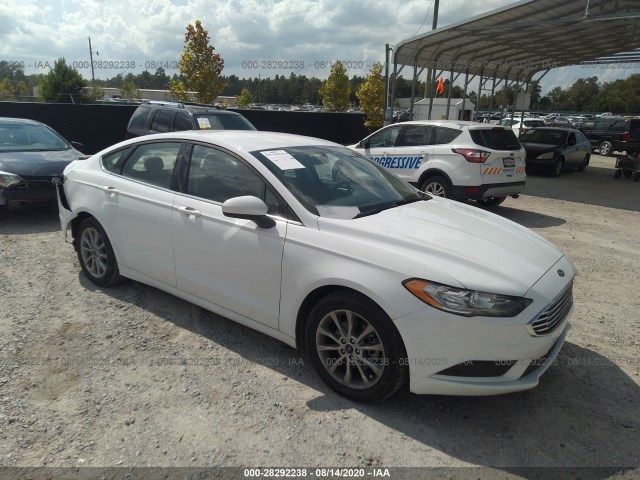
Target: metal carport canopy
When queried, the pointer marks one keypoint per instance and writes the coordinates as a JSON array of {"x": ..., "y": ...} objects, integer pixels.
[{"x": 516, "y": 41}]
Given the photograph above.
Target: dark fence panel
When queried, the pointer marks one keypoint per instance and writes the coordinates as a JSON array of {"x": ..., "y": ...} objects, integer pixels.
[
  {"x": 344, "y": 128},
  {"x": 99, "y": 126},
  {"x": 95, "y": 126}
]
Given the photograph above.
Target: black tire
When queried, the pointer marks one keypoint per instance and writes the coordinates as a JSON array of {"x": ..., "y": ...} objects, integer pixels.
[
  {"x": 558, "y": 167},
  {"x": 4, "y": 211},
  {"x": 437, "y": 186},
  {"x": 585, "y": 163},
  {"x": 606, "y": 148},
  {"x": 384, "y": 368},
  {"x": 636, "y": 176},
  {"x": 491, "y": 201},
  {"x": 96, "y": 255},
  {"x": 627, "y": 173},
  {"x": 617, "y": 173}
]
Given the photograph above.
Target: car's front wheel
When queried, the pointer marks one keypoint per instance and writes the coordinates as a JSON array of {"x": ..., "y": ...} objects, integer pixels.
[
  {"x": 96, "y": 255},
  {"x": 437, "y": 186},
  {"x": 355, "y": 347}
]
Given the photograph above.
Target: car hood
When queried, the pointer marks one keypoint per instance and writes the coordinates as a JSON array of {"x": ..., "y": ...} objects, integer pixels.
[
  {"x": 37, "y": 164},
  {"x": 540, "y": 147},
  {"x": 449, "y": 242}
]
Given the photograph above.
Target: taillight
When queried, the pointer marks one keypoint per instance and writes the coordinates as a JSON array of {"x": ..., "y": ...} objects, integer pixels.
[
  {"x": 625, "y": 136},
  {"x": 472, "y": 155}
]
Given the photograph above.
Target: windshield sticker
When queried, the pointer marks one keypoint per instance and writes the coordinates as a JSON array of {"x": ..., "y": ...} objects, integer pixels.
[
  {"x": 338, "y": 211},
  {"x": 204, "y": 123},
  {"x": 282, "y": 159}
]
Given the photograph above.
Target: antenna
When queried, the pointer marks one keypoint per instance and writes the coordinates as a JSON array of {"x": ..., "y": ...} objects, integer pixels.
[{"x": 93, "y": 77}]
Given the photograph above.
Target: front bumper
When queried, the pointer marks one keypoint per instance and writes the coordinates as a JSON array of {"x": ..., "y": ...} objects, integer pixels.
[
  {"x": 30, "y": 191},
  {"x": 533, "y": 164},
  {"x": 439, "y": 345},
  {"x": 487, "y": 190}
]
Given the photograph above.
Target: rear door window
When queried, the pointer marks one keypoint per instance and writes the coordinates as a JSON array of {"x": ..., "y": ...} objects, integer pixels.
[
  {"x": 445, "y": 135},
  {"x": 162, "y": 121},
  {"x": 495, "y": 138},
  {"x": 416, "y": 135},
  {"x": 153, "y": 163},
  {"x": 182, "y": 122}
]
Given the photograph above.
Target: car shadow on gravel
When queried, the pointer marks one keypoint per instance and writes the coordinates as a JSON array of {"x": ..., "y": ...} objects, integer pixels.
[
  {"x": 526, "y": 218},
  {"x": 569, "y": 421},
  {"x": 40, "y": 219},
  {"x": 583, "y": 413}
]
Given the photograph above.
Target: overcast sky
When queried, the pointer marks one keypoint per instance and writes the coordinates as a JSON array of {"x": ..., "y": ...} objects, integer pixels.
[{"x": 247, "y": 33}]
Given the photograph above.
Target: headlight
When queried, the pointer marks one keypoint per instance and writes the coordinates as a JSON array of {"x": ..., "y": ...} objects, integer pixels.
[
  {"x": 546, "y": 156},
  {"x": 469, "y": 303},
  {"x": 9, "y": 179}
]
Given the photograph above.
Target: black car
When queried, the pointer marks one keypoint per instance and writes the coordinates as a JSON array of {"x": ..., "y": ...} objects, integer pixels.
[
  {"x": 554, "y": 150},
  {"x": 609, "y": 134},
  {"x": 159, "y": 117},
  {"x": 31, "y": 155}
]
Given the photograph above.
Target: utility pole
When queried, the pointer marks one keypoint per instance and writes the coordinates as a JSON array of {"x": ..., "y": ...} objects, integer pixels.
[
  {"x": 434, "y": 25},
  {"x": 93, "y": 77}
]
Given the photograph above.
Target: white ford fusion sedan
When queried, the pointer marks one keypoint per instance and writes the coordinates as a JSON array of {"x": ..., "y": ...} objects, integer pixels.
[{"x": 311, "y": 243}]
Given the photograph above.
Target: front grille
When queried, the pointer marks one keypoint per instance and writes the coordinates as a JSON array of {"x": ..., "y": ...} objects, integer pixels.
[{"x": 551, "y": 317}]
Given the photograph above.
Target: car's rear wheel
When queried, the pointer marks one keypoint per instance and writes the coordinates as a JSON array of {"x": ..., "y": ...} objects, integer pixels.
[
  {"x": 491, "y": 201},
  {"x": 558, "y": 168},
  {"x": 605, "y": 148},
  {"x": 96, "y": 255},
  {"x": 437, "y": 186},
  {"x": 585, "y": 163},
  {"x": 355, "y": 347}
]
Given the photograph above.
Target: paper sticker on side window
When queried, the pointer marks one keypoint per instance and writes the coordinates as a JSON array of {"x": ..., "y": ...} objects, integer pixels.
[{"x": 204, "y": 123}]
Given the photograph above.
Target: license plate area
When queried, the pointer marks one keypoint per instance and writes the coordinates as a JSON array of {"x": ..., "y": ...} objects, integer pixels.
[{"x": 509, "y": 162}]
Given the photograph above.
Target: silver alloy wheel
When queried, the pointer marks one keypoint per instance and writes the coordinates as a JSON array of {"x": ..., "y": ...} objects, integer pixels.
[
  {"x": 94, "y": 252},
  {"x": 350, "y": 349},
  {"x": 435, "y": 189}
]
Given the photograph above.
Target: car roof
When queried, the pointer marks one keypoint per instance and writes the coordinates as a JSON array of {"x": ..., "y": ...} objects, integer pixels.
[
  {"x": 188, "y": 107},
  {"x": 556, "y": 129},
  {"x": 246, "y": 140},
  {"x": 460, "y": 124},
  {"x": 20, "y": 121}
]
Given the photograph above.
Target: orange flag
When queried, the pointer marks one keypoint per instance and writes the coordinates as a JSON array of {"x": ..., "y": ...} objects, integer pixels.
[{"x": 440, "y": 88}]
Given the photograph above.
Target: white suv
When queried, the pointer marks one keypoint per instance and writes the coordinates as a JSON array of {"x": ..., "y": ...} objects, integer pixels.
[{"x": 460, "y": 160}]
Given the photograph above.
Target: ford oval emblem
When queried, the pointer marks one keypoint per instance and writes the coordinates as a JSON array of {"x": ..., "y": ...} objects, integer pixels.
[{"x": 561, "y": 273}]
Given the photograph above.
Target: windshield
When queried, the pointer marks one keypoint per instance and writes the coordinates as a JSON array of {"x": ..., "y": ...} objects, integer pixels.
[
  {"x": 337, "y": 182},
  {"x": 547, "y": 137},
  {"x": 223, "y": 122},
  {"x": 16, "y": 137}
]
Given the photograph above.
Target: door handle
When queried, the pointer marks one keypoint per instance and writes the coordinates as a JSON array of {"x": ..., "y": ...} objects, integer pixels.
[
  {"x": 192, "y": 212},
  {"x": 113, "y": 191}
]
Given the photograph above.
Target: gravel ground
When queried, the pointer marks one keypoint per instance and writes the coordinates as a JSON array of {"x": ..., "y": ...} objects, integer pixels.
[{"x": 131, "y": 376}]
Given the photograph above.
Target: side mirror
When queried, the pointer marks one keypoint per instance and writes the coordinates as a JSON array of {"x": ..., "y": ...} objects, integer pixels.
[
  {"x": 249, "y": 208},
  {"x": 78, "y": 146}
]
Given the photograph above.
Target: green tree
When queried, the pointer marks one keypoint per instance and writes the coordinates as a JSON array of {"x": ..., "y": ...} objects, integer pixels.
[
  {"x": 200, "y": 66},
  {"x": 371, "y": 98},
  {"x": 129, "y": 91},
  {"x": 22, "y": 90},
  {"x": 6, "y": 90},
  {"x": 244, "y": 99},
  {"x": 61, "y": 83},
  {"x": 336, "y": 89}
]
